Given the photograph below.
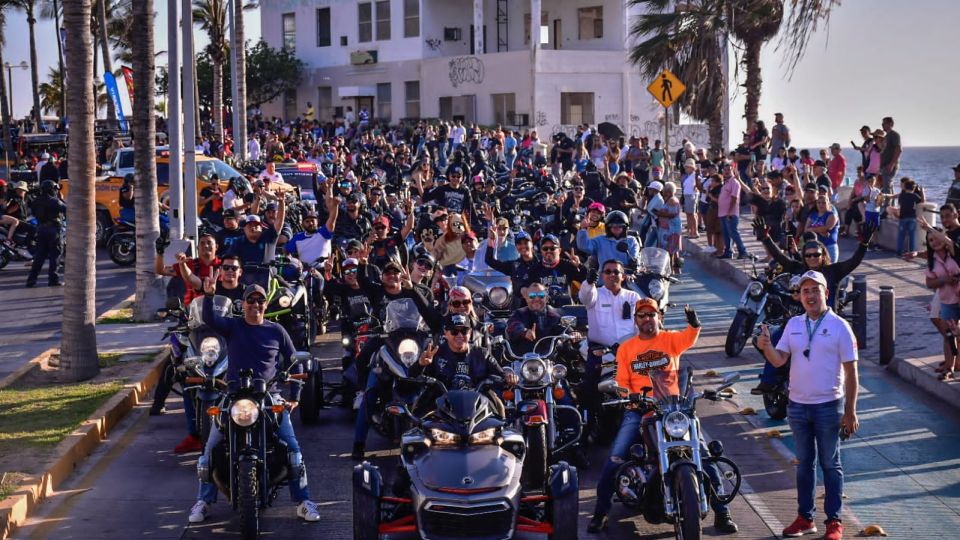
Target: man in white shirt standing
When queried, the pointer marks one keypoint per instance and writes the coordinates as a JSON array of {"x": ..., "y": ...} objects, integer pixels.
[
  {"x": 609, "y": 320},
  {"x": 822, "y": 352},
  {"x": 253, "y": 148},
  {"x": 458, "y": 134},
  {"x": 270, "y": 174}
]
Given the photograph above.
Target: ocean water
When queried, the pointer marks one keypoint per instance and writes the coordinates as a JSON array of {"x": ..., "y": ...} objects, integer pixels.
[{"x": 931, "y": 166}]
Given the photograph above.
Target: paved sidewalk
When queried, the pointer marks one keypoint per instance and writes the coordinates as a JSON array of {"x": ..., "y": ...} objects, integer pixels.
[{"x": 919, "y": 347}]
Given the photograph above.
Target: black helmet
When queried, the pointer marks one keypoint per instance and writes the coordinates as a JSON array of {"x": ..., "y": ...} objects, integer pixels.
[
  {"x": 49, "y": 187},
  {"x": 128, "y": 178},
  {"x": 615, "y": 218}
]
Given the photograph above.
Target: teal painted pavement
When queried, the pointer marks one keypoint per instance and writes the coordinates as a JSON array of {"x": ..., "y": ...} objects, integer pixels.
[{"x": 901, "y": 470}]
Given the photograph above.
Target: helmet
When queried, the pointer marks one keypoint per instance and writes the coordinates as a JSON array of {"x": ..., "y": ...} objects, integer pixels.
[
  {"x": 49, "y": 187},
  {"x": 615, "y": 218}
]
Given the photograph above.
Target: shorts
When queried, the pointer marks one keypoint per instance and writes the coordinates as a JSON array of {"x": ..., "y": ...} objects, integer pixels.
[
  {"x": 949, "y": 312},
  {"x": 712, "y": 221},
  {"x": 690, "y": 204},
  {"x": 872, "y": 217}
]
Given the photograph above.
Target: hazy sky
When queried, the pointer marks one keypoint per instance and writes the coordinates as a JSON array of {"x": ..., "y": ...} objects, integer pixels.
[{"x": 880, "y": 58}]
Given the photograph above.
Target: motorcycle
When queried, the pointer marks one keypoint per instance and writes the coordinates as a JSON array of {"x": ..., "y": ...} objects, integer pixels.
[
  {"x": 461, "y": 471},
  {"x": 251, "y": 464},
  {"x": 204, "y": 361},
  {"x": 122, "y": 241},
  {"x": 548, "y": 427},
  {"x": 651, "y": 275},
  {"x": 671, "y": 485},
  {"x": 25, "y": 244},
  {"x": 765, "y": 298},
  {"x": 492, "y": 294}
]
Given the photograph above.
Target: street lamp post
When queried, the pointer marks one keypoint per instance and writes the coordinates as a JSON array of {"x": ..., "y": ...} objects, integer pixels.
[{"x": 22, "y": 65}]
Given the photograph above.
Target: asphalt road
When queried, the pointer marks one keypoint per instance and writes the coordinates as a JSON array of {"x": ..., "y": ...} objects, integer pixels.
[
  {"x": 136, "y": 486},
  {"x": 31, "y": 318}
]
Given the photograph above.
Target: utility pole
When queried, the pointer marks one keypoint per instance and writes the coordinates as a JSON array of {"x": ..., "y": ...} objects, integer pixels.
[
  {"x": 237, "y": 118},
  {"x": 189, "y": 126},
  {"x": 174, "y": 125}
]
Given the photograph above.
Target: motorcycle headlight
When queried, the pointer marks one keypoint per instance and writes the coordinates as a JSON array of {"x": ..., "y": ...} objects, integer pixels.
[
  {"x": 345, "y": 341},
  {"x": 285, "y": 299},
  {"x": 533, "y": 370},
  {"x": 484, "y": 437},
  {"x": 210, "y": 350},
  {"x": 443, "y": 438},
  {"x": 244, "y": 412},
  {"x": 656, "y": 289},
  {"x": 409, "y": 352},
  {"x": 676, "y": 424},
  {"x": 559, "y": 371},
  {"x": 499, "y": 297},
  {"x": 755, "y": 290}
]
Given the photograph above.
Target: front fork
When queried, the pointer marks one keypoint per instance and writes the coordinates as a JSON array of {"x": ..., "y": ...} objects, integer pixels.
[{"x": 663, "y": 447}]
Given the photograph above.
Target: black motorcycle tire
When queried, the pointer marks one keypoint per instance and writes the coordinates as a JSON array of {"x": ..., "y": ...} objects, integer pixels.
[
  {"x": 536, "y": 463},
  {"x": 5, "y": 258},
  {"x": 686, "y": 493},
  {"x": 310, "y": 401},
  {"x": 248, "y": 500},
  {"x": 740, "y": 330},
  {"x": 775, "y": 403},
  {"x": 120, "y": 255}
]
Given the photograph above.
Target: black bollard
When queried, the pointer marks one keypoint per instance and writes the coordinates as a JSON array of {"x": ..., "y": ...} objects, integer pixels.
[
  {"x": 888, "y": 332},
  {"x": 860, "y": 310}
]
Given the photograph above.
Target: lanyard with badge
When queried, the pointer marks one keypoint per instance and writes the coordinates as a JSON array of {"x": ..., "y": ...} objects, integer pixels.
[{"x": 812, "y": 332}]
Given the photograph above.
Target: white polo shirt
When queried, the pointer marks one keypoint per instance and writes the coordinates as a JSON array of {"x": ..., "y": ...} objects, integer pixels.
[
  {"x": 817, "y": 378},
  {"x": 605, "y": 321}
]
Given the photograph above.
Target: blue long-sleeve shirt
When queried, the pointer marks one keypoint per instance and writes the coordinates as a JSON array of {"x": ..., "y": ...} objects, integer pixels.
[
  {"x": 604, "y": 248},
  {"x": 260, "y": 348}
]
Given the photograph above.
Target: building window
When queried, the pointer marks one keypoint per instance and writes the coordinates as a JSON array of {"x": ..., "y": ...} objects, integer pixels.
[
  {"x": 544, "y": 18},
  {"x": 591, "y": 22},
  {"x": 504, "y": 108},
  {"x": 576, "y": 108},
  {"x": 323, "y": 27},
  {"x": 365, "y": 21},
  {"x": 290, "y": 110},
  {"x": 325, "y": 110},
  {"x": 383, "y": 101},
  {"x": 383, "y": 20},
  {"x": 411, "y": 18},
  {"x": 412, "y": 91},
  {"x": 289, "y": 31}
]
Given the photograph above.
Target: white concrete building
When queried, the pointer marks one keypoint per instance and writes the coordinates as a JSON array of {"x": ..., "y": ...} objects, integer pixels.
[{"x": 424, "y": 59}]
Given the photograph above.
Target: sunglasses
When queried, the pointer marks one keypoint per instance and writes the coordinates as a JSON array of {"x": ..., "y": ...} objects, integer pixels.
[
  {"x": 439, "y": 218},
  {"x": 349, "y": 271},
  {"x": 424, "y": 263},
  {"x": 380, "y": 227},
  {"x": 460, "y": 303},
  {"x": 549, "y": 248},
  {"x": 813, "y": 254},
  {"x": 229, "y": 267},
  {"x": 458, "y": 331},
  {"x": 611, "y": 272},
  {"x": 646, "y": 315},
  {"x": 452, "y": 176},
  {"x": 259, "y": 300},
  {"x": 535, "y": 295},
  {"x": 578, "y": 189}
]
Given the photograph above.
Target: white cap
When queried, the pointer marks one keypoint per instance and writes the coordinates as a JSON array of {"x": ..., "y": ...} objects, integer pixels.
[
  {"x": 815, "y": 276},
  {"x": 655, "y": 185}
]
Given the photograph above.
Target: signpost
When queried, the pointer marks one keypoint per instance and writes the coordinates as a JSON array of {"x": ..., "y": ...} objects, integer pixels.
[{"x": 666, "y": 88}]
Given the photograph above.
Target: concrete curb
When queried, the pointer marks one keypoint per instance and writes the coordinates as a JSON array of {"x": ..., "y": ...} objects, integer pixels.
[{"x": 15, "y": 509}]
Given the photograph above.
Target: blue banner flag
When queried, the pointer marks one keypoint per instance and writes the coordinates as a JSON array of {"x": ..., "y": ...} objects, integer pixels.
[{"x": 111, "y": 83}]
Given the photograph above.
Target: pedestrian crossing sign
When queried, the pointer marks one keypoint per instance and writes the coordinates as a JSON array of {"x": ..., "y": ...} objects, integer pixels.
[{"x": 666, "y": 88}]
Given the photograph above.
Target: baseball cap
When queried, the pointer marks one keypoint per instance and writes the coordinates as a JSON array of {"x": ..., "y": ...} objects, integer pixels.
[
  {"x": 271, "y": 206},
  {"x": 310, "y": 214},
  {"x": 459, "y": 292},
  {"x": 354, "y": 197},
  {"x": 646, "y": 304},
  {"x": 456, "y": 321},
  {"x": 598, "y": 206},
  {"x": 392, "y": 264},
  {"x": 521, "y": 236},
  {"x": 454, "y": 169},
  {"x": 819, "y": 163},
  {"x": 655, "y": 186},
  {"x": 231, "y": 213},
  {"x": 550, "y": 238},
  {"x": 353, "y": 244},
  {"x": 254, "y": 289},
  {"x": 815, "y": 276},
  {"x": 349, "y": 262},
  {"x": 20, "y": 185},
  {"x": 835, "y": 145},
  {"x": 252, "y": 218},
  {"x": 382, "y": 220}
]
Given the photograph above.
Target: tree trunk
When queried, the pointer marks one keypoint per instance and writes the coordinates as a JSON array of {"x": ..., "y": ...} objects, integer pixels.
[
  {"x": 10, "y": 154},
  {"x": 34, "y": 75},
  {"x": 715, "y": 128},
  {"x": 149, "y": 287},
  {"x": 751, "y": 64},
  {"x": 78, "y": 346},
  {"x": 218, "y": 98},
  {"x": 56, "y": 25},
  {"x": 105, "y": 51},
  {"x": 240, "y": 107},
  {"x": 196, "y": 102}
]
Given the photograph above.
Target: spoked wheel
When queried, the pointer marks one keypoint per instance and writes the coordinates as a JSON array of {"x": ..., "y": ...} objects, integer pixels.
[
  {"x": 123, "y": 253},
  {"x": 739, "y": 333}
]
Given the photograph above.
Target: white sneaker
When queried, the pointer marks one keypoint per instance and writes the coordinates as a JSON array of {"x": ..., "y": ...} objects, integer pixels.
[
  {"x": 308, "y": 511},
  {"x": 709, "y": 249},
  {"x": 199, "y": 512}
]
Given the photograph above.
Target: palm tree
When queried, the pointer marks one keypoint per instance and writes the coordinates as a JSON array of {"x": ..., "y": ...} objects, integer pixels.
[
  {"x": 690, "y": 44},
  {"x": 149, "y": 288},
  {"x": 78, "y": 346},
  {"x": 52, "y": 93},
  {"x": 28, "y": 6},
  {"x": 239, "y": 47},
  {"x": 754, "y": 22},
  {"x": 52, "y": 9},
  {"x": 101, "y": 18},
  {"x": 10, "y": 155},
  {"x": 211, "y": 16}
]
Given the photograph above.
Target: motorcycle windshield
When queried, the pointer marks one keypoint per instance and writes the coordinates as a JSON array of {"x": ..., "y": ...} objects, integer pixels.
[
  {"x": 256, "y": 275},
  {"x": 655, "y": 260},
  {"x": 666, "y": 382},
  {"x": 221, "y": 306},
  {"x": 402, "y": 314},
  {"x": 476, "y": 467}
]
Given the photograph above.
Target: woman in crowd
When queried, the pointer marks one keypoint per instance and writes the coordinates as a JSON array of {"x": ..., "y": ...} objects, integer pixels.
[
  {"x": 826, "y": 223},
  {"x": 669, "y": 224},
  {"x": 943, "y": 276}
]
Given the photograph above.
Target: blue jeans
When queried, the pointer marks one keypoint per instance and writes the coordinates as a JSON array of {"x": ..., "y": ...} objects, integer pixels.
[
  {"x": 299, "y": 491},
  {"x": 629, "y": 435},
  {"x": 816, "y": 431},
  {"x": 730, "y": 232},
  {"x": 362, "y": 426},
  {"x": 772, "y": 374},
  {"x": 907, "y": 234},
  {"x": 442, "y": 153},
  {"x": 190, "y": 413},
  {"x": 834, "y": 251}
]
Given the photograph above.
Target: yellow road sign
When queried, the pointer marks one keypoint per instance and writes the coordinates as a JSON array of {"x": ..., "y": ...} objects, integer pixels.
[{"x": 666, "y": 88}]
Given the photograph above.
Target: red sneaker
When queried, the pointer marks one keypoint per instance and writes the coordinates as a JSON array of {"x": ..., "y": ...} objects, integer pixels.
[
  {"x": 800, "y": 527},
  {"x": 834, "y": 530},
  {"x": 189, "y": 444}
]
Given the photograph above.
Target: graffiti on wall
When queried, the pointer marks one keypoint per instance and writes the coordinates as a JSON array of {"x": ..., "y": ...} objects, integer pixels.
[
  {"x": 433, "y": 44},
  {"x": 698, "y": 134},
  {"x": 466, "y": 69},
  {"x": 611, "y": 118},
  {"x": 541, "y": 119}
]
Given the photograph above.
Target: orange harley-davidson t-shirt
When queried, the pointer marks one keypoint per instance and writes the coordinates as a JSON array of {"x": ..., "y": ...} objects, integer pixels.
[{"x": 655, "y": 362}]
